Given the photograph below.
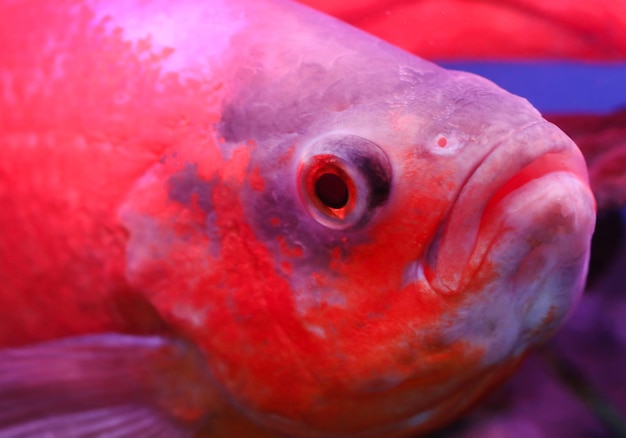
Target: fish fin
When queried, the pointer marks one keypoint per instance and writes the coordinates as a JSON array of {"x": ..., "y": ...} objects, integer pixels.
[
  {"x": 118, "y": 421},
  {"x": 110, "y": 384}
]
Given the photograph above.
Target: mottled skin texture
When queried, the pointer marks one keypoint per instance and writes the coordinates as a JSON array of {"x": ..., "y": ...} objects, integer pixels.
[{"x": 150, "y": 184}]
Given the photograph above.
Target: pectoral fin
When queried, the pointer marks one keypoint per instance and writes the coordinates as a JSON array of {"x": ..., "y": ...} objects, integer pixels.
[
  {"x": 104, "y": 385},
  {"x": 118, "y": 421}
]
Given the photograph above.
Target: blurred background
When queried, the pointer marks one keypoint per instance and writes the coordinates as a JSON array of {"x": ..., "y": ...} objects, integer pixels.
[{"x": 568, "y": 58}]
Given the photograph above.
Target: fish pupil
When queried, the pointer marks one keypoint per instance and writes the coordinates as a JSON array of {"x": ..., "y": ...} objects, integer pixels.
[{"x": 332, "y": 190}]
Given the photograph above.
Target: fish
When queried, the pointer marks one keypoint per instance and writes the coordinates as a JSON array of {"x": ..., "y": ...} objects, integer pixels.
[{"x": 246, "y": 218}]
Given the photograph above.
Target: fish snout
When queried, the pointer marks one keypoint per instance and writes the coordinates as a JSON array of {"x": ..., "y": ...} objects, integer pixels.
[
  {"x": 523, "y": 222},
  {"x": 538, "y": 243}
]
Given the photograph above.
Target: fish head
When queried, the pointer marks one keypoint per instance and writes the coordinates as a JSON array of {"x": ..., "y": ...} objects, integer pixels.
[{"x": 363, "y": 243}]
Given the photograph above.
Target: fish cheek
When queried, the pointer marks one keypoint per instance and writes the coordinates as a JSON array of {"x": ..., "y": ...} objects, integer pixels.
[
  {"x": 226, "y": 258},
  {"x": 193, "y": 254},
  {"x": 343, "y": 281}
]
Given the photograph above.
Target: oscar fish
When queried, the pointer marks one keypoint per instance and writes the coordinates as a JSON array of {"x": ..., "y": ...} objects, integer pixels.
[{"x": 245, "y": 218}]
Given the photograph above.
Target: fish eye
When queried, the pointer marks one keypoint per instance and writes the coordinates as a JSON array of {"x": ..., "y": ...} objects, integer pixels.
[
  {"x": 343, "y": 178},
  {"x": 329, "y": 188},
  {"x": 332, "y": 190}
]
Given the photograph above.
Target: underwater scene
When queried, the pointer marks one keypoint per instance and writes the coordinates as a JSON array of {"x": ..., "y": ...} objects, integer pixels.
[{"x": 314, "y": 218}]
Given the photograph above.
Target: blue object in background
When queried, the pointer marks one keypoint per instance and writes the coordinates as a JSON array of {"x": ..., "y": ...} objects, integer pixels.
[{"x": 557, "y": 87}]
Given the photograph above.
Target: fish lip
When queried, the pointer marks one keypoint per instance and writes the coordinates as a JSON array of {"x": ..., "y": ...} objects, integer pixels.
[{"x": 492, "y": 179}]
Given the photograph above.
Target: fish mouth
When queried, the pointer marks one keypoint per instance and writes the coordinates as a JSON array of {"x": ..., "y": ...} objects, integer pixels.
[{"x": 529, "y": 190}]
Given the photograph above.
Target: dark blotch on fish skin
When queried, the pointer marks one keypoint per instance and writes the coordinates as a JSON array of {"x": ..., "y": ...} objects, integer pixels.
[
  {"x": 270, "y": 107},
  {"x": 296, "y": 228},
  {"x": 266, "y": 108},
  {"x": 319, "y": 244},
  {"x": 187, "y": 186},
  {"x": 376, "y": 168},
  {"x": 186, "y": 183}
]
